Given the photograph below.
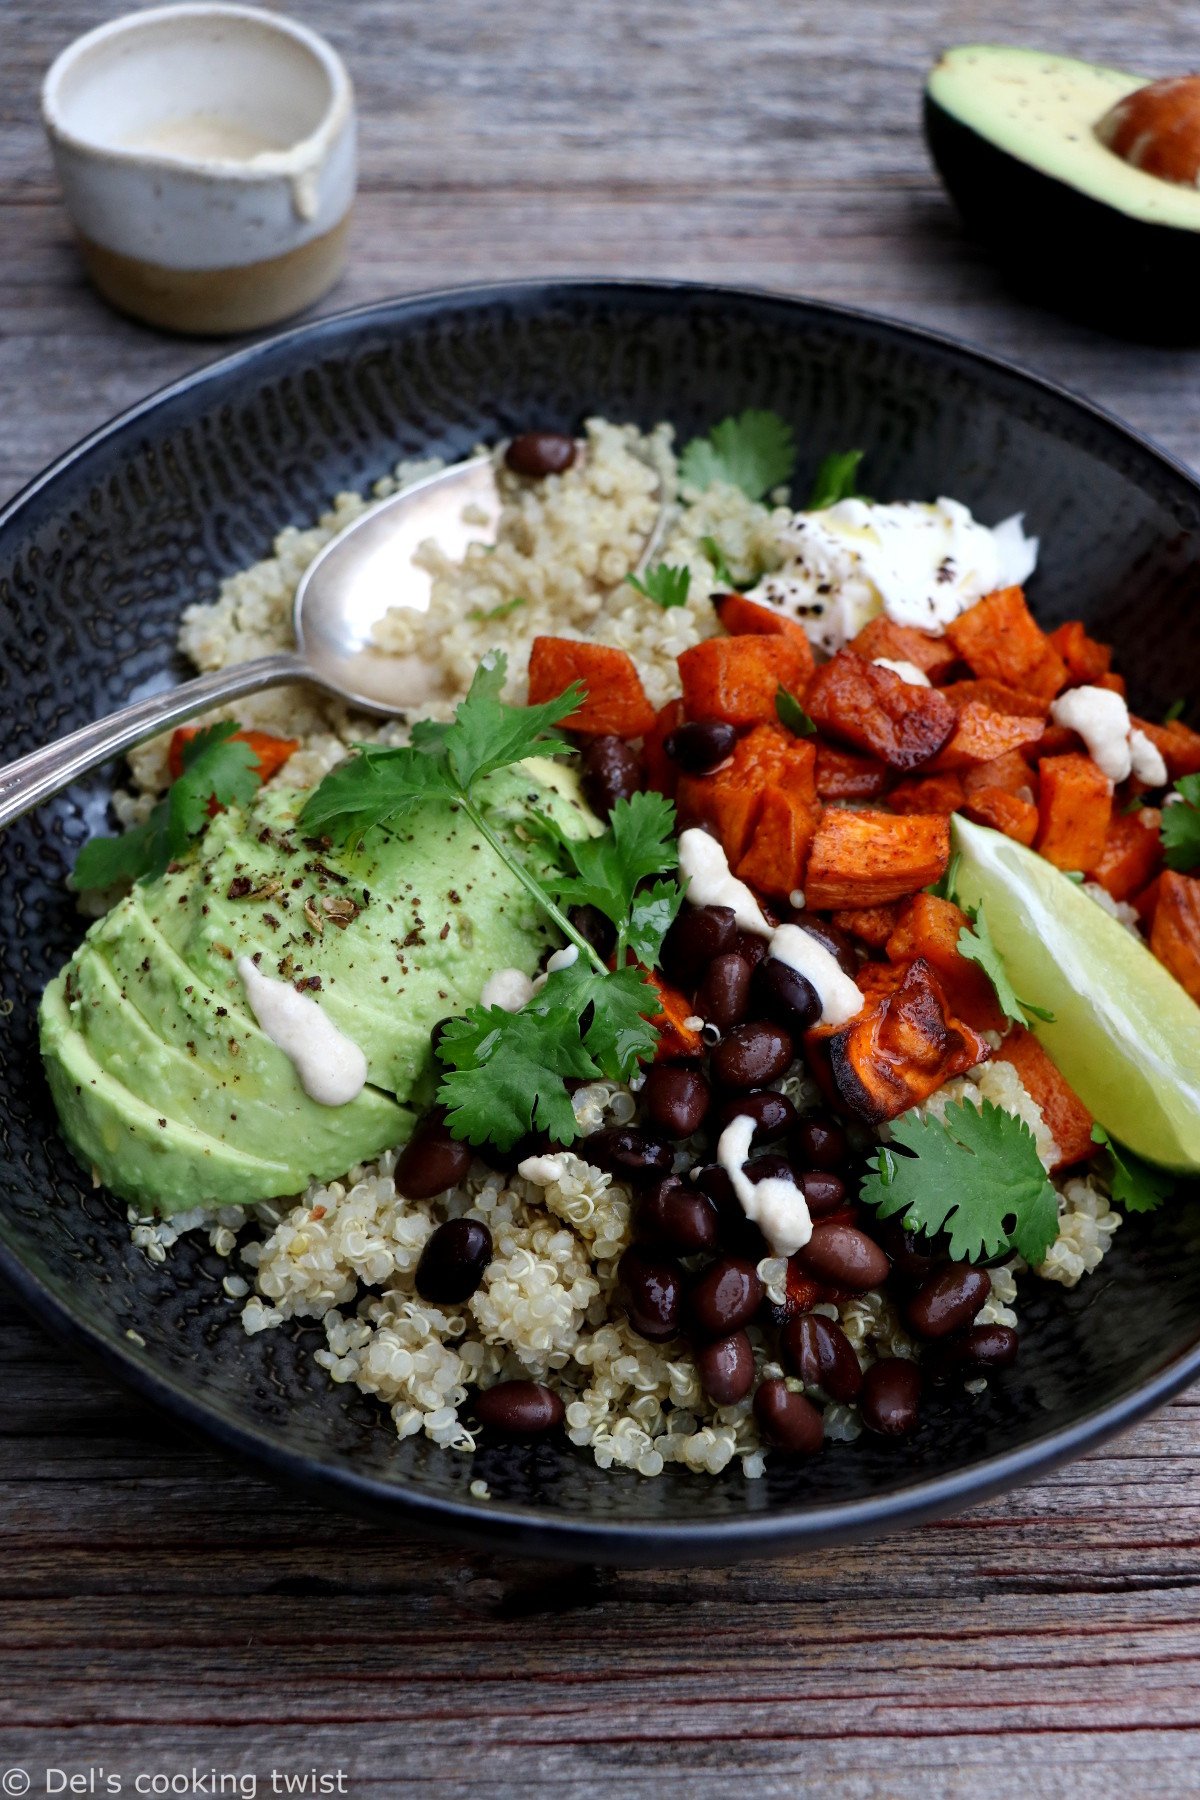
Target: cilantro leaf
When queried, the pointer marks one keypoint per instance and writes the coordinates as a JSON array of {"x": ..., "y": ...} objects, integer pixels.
[
  {"x": 1180, "y": 827},
  {"x": 976, "y": 943},
  {"x": 835, "y": 480},
  {"x": 606, "y": 872},
  {"x": 487, "y": 735},
  {"x": 1175, "y": 711},
  {"x": 1136, "y": 1185},
  {"x": 665, "y": 585},
  {"x": 373, "y": 787},
  {"x": 219, "y": 768},
  {"x": 722, "y": 574},
  {"x": 482, "y": 616},
  {"x": 508, "y": 1072},
  {"x": 754, "y": 452},
  {"x": 977, "y": 1175},
  {"x": 789, "y": 712},
  {"x": 620, "y": 1034}
]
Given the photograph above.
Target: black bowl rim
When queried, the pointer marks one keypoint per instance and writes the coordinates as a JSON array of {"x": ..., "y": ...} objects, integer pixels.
[{"x": 529, "y": 1529}]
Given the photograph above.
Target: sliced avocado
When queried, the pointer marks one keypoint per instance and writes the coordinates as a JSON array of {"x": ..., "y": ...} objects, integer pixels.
[{"x": 1013, "y": 135}]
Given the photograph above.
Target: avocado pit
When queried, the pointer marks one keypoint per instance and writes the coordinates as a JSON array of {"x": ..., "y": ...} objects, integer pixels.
[{"x": 1157, "y": 129}]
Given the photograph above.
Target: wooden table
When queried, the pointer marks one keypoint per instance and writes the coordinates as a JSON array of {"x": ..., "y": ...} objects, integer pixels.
[{"x": 166, "y": 1611}]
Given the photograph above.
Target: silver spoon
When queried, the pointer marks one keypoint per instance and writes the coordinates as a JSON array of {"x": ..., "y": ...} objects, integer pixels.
[{"x": 342, "y": 596}]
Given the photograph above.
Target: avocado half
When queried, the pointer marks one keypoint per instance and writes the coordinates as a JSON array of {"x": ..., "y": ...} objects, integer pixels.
[{"x": 1013, "y": 136}]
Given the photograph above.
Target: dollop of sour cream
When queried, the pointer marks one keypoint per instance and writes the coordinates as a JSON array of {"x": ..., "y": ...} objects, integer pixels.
[
  {"x": 920, "y": 564},
  {"x": 907, "y": 671},
  {"x": 507, "y": 988},
  {"x": 777, "y": 1206},
  {"x": 331, "y": 1067},
  {"x": 707, "y": 881},
  {"x": 1114, "y": 742}
]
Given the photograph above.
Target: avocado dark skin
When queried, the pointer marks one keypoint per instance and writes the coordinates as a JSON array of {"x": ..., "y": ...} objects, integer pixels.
[{"x": 1063, "y": 249}]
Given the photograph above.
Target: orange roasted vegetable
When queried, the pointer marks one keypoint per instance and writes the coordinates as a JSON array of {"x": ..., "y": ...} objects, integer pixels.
[
  {"x": 881, "y": 636},
  {"x": 997, "y": 698},
  {"x": 1000, "y": 639},
  {"x": 844, "y": 775},
  {"x": 615, "y": 703},
  {"x": 900, "y": 1049},
  {"x": 1175, "y": 934},
  {"x": 736, "y": 679},
  {"x": 867, "y": 859},
  {"x": 746, "y": 618},
  {"x": 872, "y": 925},
  {"x": 1111, "y": 680},
  {"x": 1086, "y": 660},
  {"x": 929, "y": 927},
  {"x": 780, "y": 838},
  {"x": 981, "y": 735},
  {"x": 930, "y": 794},
  {"x": 1010, "y": 772},
  {"x": 270, "y": 753},
  {"x": 1067, "y": 1118},
  {"x": 677, "y": 1040},
  {"x": 662, "y": 772},
  {"x": 873, "y": 709},
  {"x": 1132, "y": 853},
  {"x": 1178, "y": 744},
  {"x": 1003, "y": 811},
  {"x": 1074, "y": 810},
  {"x": 727, "y": 801}
]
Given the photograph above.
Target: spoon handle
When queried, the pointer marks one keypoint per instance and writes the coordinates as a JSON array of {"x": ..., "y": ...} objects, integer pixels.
[{"x": 33, "y": 778}]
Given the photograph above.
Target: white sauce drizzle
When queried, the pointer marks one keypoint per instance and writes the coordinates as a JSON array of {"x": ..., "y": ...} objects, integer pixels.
[
  {"x": 905, "y": 670},
  {"x": 777, "y": 1206},
  {"x": 507, "y": 988},
  {"x": 331, "y": 1067},
  {"x": 1114, "y": 743},
  {"x": 841, "y": 999}
]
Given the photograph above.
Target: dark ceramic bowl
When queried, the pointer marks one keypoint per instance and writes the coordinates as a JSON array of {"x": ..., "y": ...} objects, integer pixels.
[{"x": 100, "y": 555}]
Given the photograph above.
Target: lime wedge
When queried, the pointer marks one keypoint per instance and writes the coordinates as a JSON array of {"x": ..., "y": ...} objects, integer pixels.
[{"x": 1125, "y": 1034}]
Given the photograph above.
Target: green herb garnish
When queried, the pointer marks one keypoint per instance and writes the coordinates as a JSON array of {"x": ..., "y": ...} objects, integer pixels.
[
  {"x": 976, "y": 943},
  {"x": 977, "y": 1175},
  {"x": 835, "y": 480},
  {"x": 666, "y": 586},
  {"x": 1174, "y": 711},
  {"x": 1181, "y": 825},
  {"x": 611, "y": 872},
  {"x": 755, "y": 452},
  {"x": 216, "y": 766},
  {"x": 1136, "y": 1185},
  {"x": 722, "y": 574},
  {"x": 789, "y": 712},
  {"x": 504, "y": 610}
]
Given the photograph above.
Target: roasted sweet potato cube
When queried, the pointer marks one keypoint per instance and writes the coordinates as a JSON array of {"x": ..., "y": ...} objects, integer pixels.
[
  {"x": 1112, "y": 680},
  {"x": 1003, "y": 811},
  {"x": 677, "y": 1040},
  {"x": 1067, "y": 1118},
  {"x": 869, "y": 859},
  {"x": 748, "y": 618},
  {"x": 881, "y": 636},
  {"x": 727, "y": 801},
  {"x": 997, "y": 698},
  {"x": 1132, "y": 853},
  {"x": 940, "y": 794},
  {"x": 1178, "y": 744},
  {"x": 779, "y": 844},
  {"x": 1074, "y": 809},
  {"x": 1000, "y": 639},
  {"x": 736, "y": 679},
  {"x": 1086, "y": 660},
  {"x": 844, "y": 775},
  {"x": 1175, "y": 934},
  {"x": 615, "y": 703},
  {"x": 872, "y": 925},
  {"x": 662, "y": 772},
  {"x": 1011, "y": 772},
  {"x": 930, "y": 927},
  {"x": 900, "y": 1049},
  {"x": 874, "y": 710},
  {"x": 981, "y": 735}
]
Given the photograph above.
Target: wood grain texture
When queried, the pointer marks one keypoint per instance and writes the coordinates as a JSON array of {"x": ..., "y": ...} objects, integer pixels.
[{"x": 163, "y": 1609}]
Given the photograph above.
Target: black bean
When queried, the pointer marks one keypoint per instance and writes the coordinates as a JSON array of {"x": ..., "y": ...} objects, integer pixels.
[
  {"x": 819, "y": 1352},
  {"x": 823, "y": 1192},
  {"x": 782, "y": 993},
  {"x": 891, "y": 1394},
  {"x": 751, "y": 1055},
  {"x": 453, "y": 1261},
  {"x": 723, "y": 996},
  {"x": 653, "y": 1287},
  {"x": 987, "y": 1346},
  {"x": 787, "y": 1419},
  {"x": 628, "y": 1153},
  {"x": 837, "y": 942},
  {"x": 519, "y": 1409},
  {"x": 541, "y": 453},
  {"x": 726, "y": 1296},
  {"x": 432, "y": 1160},
  {"x": 599, "y": 931},
  {"x": 768, "y": 1168},
  {"x": 611, "y": 771},
  {"x": 820, "y": 1143},
  {"x": 676, "y": 1099},
  {"x": 726, "y": 1368},
  {"x": 914, "y": 1257},
  {"x": 678, "y": 1217},
  {"x": 948, "y": 1301},
  {"x": 751, "y": 946},
  {"x": 698, "y": 934},
  {"x": 845, "y": 1256},
  {"x": 773, "y": 1113},
  {"x": 701, "y": 746}
]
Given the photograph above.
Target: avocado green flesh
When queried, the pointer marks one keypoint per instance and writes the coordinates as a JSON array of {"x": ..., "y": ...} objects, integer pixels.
[
  {"x": 149, "y": 1022},
  {"x": 1044, "y": 110}
]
